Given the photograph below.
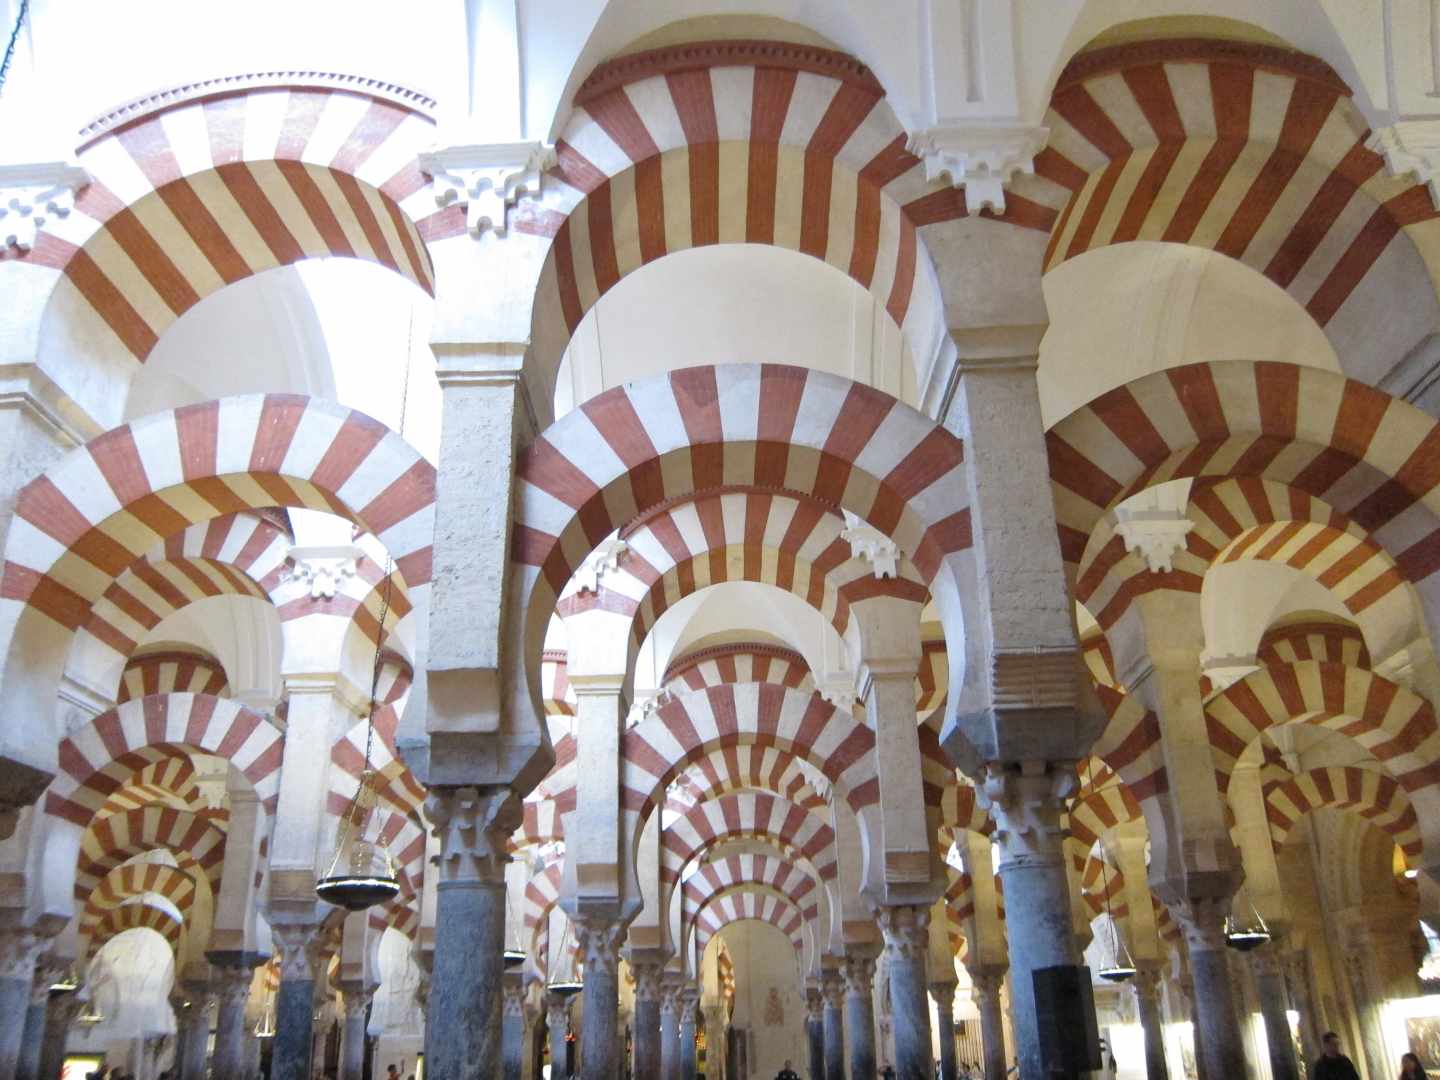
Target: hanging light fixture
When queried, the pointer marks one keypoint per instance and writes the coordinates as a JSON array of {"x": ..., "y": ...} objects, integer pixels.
[
  {"x": 565, "y": 989},
  {"x": 1122, "y": 966},
  {"x": 67, "y": 983},
  {"x": 514, "y": 957},
  {"x": 1246, "y": 938}
]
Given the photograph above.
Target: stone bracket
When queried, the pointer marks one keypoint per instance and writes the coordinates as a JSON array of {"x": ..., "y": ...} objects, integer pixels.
[
  {"x": 1411, "y": 146},
  {"x": 486, "y": 179},
  {"x": 981, "y": 158},
  {"x": 34, "y": 195}
]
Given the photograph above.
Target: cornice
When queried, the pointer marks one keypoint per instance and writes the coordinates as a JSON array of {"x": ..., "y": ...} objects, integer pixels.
[
  {"x": 226, "y": 85},
  {"x": 702, "y": 55},
  {"x": 1097, "y": 62}
]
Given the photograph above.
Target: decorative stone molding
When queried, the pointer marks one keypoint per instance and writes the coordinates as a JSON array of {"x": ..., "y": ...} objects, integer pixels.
[
  {"x": 838, "y": 690},
  {"x": 1028, "y": 804},
  {"x": 473, "y": 826},
  {"x": 486, "y": 179},
  {"x": 231, "y": 984},
  {"x": 1411, "y": 146},
  {"x": 647, "y": 980},
  {"x": 598, "y": 941},
  {"x": 299, "y": 947},
  {"x": 869, "y": 543},
  {"x": 1200, "y": 50},
  {"x": 1202, "y": 918},
  {"x": 859, "y": 974},
  {"x": 32, "y": 196},
  {"x": 323, "y": 570},
  {"x": 1034, "y": 679},
  {"x": 907, "y": 931},
  {"x": 1157, "y": 534},
  {"x": 20, "y": 948},
  {"x": 832, "y": 990},
  {"x": 981, "y": 158},
  {"x": 604, "y": 560},
  {"x": 814, "y": 1005}
]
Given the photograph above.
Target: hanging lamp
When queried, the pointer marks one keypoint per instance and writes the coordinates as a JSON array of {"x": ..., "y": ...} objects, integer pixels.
[
  {"x": 565, "y": 989},
  {"x": 1246, "y": 938},
  {"x": 514, "y": 958},
  {"x": 362, "y": 872},
  {"x": 1122, "y": 966}
]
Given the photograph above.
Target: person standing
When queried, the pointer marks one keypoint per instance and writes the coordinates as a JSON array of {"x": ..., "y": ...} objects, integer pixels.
[
  {"x": 786, "y": 1072},
  {"x": 1411, "y": 1069},
  {"x": 1333, "y": 1065}
]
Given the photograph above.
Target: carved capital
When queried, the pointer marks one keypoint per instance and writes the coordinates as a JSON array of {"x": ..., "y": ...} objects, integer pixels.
[
  {"x": 1027, "y": 803},
  {"x": 1158, "y": 534},
  {"x": 422, "y": 993},
  {"x": 981, "y": 158},
  {"x": 299, "y": 949},
  {"x": 870, "y": 544},
  {"x": 20, "y": 948},
  {"x": 557, "y": 1013},
  {"x": 647, "y": 980},
  {"x": 231, "y": 984},
  {"x": 907, "y": 931},
  {"x": 944, "y": 995},
  {"x": 486, "y": 179},
  {"x": 598, "y": 941},
  {"x": 514, "y": 998},
  {"x": 48, "y": 971},
  {"x": 33, "y": 199},
  {"x": 1411, "y": 146},
  {"x": 473, "y": 825},
  {"x": 358, "y": 997},
  {"x": 814, "y": 1005},
  {"x": 1202, "y": 918},
  {"x": 832, "y": 989},
  {"x": 322, "y": 571},
  {"x": 600, "y": 563},
  {"x": 985, "y": 983},
  {"x": 859, "y": 974}
]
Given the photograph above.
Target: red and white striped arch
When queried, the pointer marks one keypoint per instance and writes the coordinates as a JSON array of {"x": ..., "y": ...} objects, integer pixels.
[
  {"x": 764, "y": 427},
  {"x": 754, "y": 766},
  {"x": 1393, "y": 723},
  {"x": 798, "y": 832},
  {"x": 1376, "y": 797},
  {"x": 197, "y": 843},
  {"x": 102, "y": 506},
  {"x": 214, "y": 183},
  {"x": 103, "y": 754},
  {"x": 142, "y": 914},
  {"x": 125, "y": 883},
  {"x": 399, "y": 915},
  {"x": 169, "y": 781},
  {"x": 713, "y": 879},
  {"x": 172, "y": 672},
  {"x": 555, "y": 685},
  {"x": 1247, "y": 150},
  {"x": 1130, "y": 745},
  {"x": 740, "y": 904},
  {"x": 741, "y": 662},
  {"x": 1327, "y": 642},
  {"x": 736, "y": 142},
  {"x": 692, "y": 724}
]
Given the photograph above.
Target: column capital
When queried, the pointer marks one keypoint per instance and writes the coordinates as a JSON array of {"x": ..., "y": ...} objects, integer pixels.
[
  {"x": 486, "y": 179},
  {"x": 557, "y": 1012},
  {"x": 514, "y": 991},
  {"x": 987, "y": 981},
  {"x": 814, "y": 1004},
  {"x": 1202, "y": 918},
  {"x": 859, "y": 973},
  {"x": 598, "y": 941},
  {"x": 832, "y": 989},
  {"x": 907, "y": 930},
  {"x": 231, "y": 984},
  {"x": 981, "y": 158},
  {"x": 473, "y": 825},
  {"x": 944, "y": 995},
  {"x": 20, "y": 948},
  {"x": 299, "y": 947},
  {"x": 648, "y": 975},
  {"x": 358, "y": 997},
  {"x": 1027, "y": 802}
]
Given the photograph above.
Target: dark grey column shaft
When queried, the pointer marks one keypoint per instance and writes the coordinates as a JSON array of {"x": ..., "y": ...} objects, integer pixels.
[
  {"x": 462, "y": 1035},
  {"x": 598, "y": 942},
  {"x": 19, "y": 949},
  {"x": 557, "y": 1017},
  {"x": 907, "y": 942},
  {"x": 60, "y": 1014},
  {"x": 860, "y": 1015},
  {"x": 1274, "y": 1001},
  {"x": 232, "y": 988},
  {"x": 669, "y": 1034},
  {"x": 944, "y": 995},
  {"x": 1218, "y": 1040},
  {"x": 815, "y": 1031},
  {"x": 834, "y": 990},
  {"x": 1147, "y": 1004},
  {"x": 295, "y": 1002},
  {"x": 647, "y": 1019},
  {"x": 992, "y": 1021},
  {"x": 31, "y": 1043},
  {"x": 688, "y": 1062},
  {"x": 352, "y": 1037}
]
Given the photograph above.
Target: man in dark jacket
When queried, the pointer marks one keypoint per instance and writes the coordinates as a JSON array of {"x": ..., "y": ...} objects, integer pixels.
[
  {"x": 787, "y": 1073},
  {"x": 1333, "y": 1065}
]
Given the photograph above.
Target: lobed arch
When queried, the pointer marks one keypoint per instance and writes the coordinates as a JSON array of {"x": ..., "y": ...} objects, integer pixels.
[
  {"x": 141, "y": 914},
  {"x": 1369, "y": 793},
  {"x": 797, "y": 832},
  {"x": 728, "y": 142},
  {"x": 632, "y": 448},
  {"x": 739, "y": 906},
  {"x": 712, "y": 878},
  {"x": 1248, "y": 150}
]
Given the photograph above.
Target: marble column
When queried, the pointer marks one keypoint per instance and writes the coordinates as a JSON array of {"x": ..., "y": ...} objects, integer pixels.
[
  {"x": 32, "y": 1044},
  {"x": 1219, "y": 1043},
  {"x": 1296, "y": 966},
  {"x": 1365, "y": 999},
  {"x": 512, "y": 1026},
  {"x": 669, "y": 1032},
  {"x": 986, "y": 986},
  {"x": 815, "y": 1032},
  {"x": 944, "y": 995},
  {"x": 598, "y": 941},
  {"x": 352, "y": 1037},
  {"x": 557, "y": 1018},
  {"x": 20, "y": 947},
  {"x": 295, "y": 1002},
  {"x": 833, "y": 988},
  {"x": 1028, "y": 802},
  {"x": 689, "y": 999},
  {"x": 1146, "y": 985},
  {"x": 859, "y": 971},
  {"x": 231, "y": 983},
  {"x": 61, "y": 1012},
  {"x": 463, "y": 1032},
  {"x": 648, "y": 992},
  {"x": 907, "y": 943},
  {"x": 1274, "y": 1003},
  {"x": 194, "y": 1017}
]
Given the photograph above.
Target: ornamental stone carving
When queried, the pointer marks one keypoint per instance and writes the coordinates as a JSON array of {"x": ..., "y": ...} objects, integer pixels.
[
  {"x": 33, "y": 198},
  {"x": 322, "y": 571},
  {"x": 859, "y": 974},
  {"x": 598, "y": 942},
  {"x": 299, "y": 947},
  {"x": 907, "y": 931},
  {"x": 486, "y": 179},
  {"x": 473, "y": 826},
  {"x": 981, "y": 158},
  {"x": 1028, "y": 803},
  {"x": 647, "y": 981}
]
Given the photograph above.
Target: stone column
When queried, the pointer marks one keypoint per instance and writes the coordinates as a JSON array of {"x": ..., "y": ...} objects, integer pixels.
[
  {"x": 463, "y": 1034},
  {"x": 1274, "y": 1002},
  {"x": 231, "y": 983},
  {"x": 986, "y": 986},
  {"x": 1296, "y": 966},
  {"x": 815, "y": 1032},
  {"x": 944, "y": 995},
  {"x": 648, "y": 993},
  {"x": 1146, "y": 985},
  {"x": 20, "y": 947},
  {"x": 512, "y": 1026},
  {"x": 32, "y": 1044},
  {"x": 352, "y": 1038},
  {"x": 833, "y": 989},
  {"x": 557, "y": 1018},
  {"x": 598, "y": 943},
  {"x": 1363, "y": 994},
  {"x": 1218, "y": 1040},
  {"x": 907, "y": 941},
  {"x": 1027, "y": 802},
  {"x": 669, "y": 1032},
  {"x": 61, "y": 1012},
  {"x": 859, "y": 970},
  {"x": 689, "y": 999},
  {"x": 194, "y": 1016},
  {"x": 295, "y": 1002}
]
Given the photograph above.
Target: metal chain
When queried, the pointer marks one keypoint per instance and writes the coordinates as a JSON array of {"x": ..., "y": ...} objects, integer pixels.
[{"x": 14, "y": 40}]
